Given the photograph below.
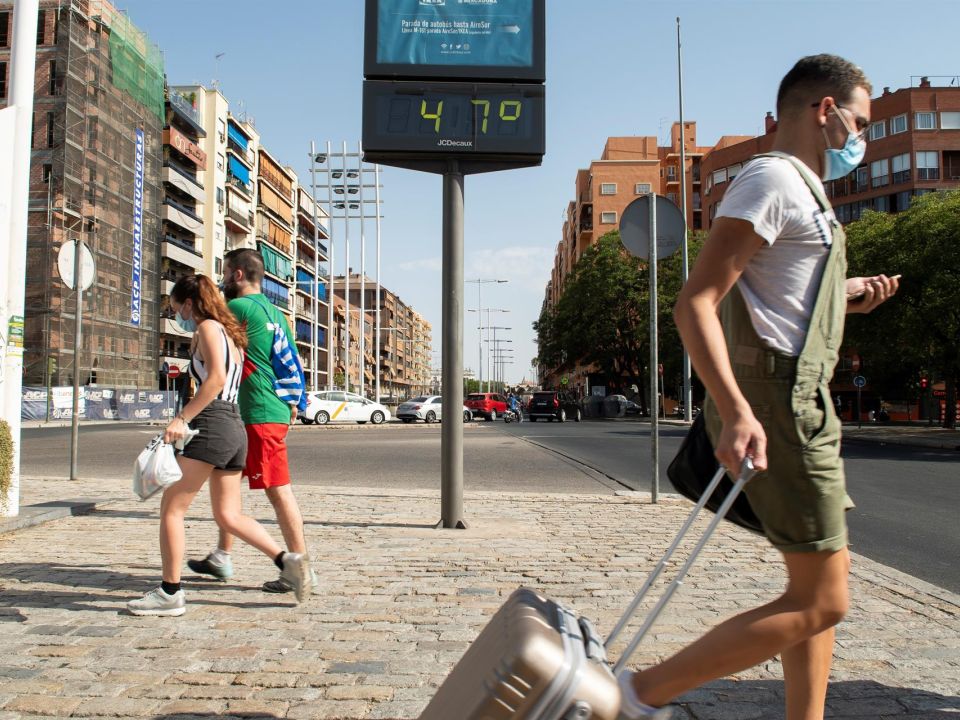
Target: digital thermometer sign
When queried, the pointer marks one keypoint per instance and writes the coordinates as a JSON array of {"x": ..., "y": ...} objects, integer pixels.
[{"x": 497, "y": 121}]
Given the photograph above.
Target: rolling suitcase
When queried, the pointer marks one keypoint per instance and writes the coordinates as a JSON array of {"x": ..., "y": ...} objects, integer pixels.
[{"x": 537, "y": 660}]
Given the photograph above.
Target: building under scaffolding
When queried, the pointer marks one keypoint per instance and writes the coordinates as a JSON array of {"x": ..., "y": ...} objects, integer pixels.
[{"x": 96, "y": 175}]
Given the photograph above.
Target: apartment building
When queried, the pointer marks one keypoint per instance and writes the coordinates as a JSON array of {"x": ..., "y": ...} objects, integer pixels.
[
  {"x": 405, "y": 339},
  {"x": 182, "y": 226},
  {"x": 96, "y": 168},
  {"x": 311, "y": 308},
  {"x": 913, "y": 148}
]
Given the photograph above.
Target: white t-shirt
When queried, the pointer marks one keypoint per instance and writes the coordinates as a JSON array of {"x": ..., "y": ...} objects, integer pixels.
[{"x": 781, "y": 281}]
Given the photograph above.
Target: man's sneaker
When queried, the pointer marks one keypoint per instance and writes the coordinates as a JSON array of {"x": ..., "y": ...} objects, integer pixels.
[
  {"x": 630, "y": 706},
  {"x": 296, "y": 571},
  {"x": 281, "y": 585},
  {"x": 157, "y": 602},
  {"x": 210, "y": 566}
]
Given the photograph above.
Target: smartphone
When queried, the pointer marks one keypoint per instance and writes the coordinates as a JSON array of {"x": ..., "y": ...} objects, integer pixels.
[{"x": 862, "y": 292}]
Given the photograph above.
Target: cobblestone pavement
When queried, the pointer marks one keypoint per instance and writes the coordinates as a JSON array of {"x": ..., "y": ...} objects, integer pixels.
[{"x": 399, "y": 602}]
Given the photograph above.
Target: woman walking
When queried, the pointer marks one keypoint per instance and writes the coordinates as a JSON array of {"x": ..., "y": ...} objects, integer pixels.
[{"x": 216, "y": 453}]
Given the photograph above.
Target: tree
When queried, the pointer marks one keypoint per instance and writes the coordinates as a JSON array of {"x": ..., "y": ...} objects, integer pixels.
[
  {"x": 602, "y": 317},
  {"x": 918, "y": 331}
]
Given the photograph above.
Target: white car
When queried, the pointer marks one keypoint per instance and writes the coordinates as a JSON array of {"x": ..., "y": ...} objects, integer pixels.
[
  {"x": 328, "y": 406},
  {"x": 428, "y": 408}
]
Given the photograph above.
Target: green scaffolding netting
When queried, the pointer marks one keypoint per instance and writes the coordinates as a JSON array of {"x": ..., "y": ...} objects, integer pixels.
[{"x": 136, "y": 64}]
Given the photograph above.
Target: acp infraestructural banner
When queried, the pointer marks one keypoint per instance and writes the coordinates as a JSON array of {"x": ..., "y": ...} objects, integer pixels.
[{"x": 474, "y": 33}]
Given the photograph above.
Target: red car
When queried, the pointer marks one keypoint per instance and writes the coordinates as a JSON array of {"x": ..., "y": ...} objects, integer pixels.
[{"x": 489, "y": 405}]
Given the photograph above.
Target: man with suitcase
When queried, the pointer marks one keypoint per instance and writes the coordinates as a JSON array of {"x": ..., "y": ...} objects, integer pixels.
[{"x": 762, "y": 318}]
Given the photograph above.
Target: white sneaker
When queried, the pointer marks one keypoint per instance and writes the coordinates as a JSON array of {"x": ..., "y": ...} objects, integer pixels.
[
  {"x": 157, "y": 602},
  {"x": 630, "y": 706},
  {"x": 296, "y": 571}
]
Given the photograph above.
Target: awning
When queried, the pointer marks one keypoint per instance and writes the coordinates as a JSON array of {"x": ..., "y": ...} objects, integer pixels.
[
  {"x": 237, "y": 136},
  {"x": 239, "y": 170}
]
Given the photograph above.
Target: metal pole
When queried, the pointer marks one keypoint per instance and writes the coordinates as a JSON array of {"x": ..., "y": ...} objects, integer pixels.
[
  {"x": 363, "y": 278},
  {"x": 13, "y": 238},
  {"x": 480, "y": 336},
  {"x": 376, "y": 175},
  {"x": 331, "y": 319},
  {"x": 346, "y": 264},
  {"x": 654, "y": 360},
  {"x": 687, "y": 388},
  {"x": 315, "y": 285},
  {"x": 451, "y": 448},
  {"x": 77, "y": 344}
]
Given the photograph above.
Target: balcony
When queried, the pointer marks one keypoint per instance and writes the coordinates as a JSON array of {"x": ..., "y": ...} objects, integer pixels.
[
  {"x": 168, "y": 326},
  {"x": 178, "y": 253},
  {"x": 239, "y": 221},
  {"x": 172, "y": 175},
  {"x": 245, "y": 156},
  {"x": 237, "y": 185},
  {"x": 174, "y": 212}
]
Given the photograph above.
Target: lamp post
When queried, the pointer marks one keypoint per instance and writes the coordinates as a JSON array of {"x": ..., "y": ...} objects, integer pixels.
[
  {"x": 480, "y": 327},
  {"x": 480, "y": 283},
  {"x": 494, "y": 329},
  {"x": 347, "y": 181}
]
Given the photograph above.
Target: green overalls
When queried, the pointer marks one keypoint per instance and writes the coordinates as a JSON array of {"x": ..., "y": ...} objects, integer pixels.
[{"x": 801, "y": 498}]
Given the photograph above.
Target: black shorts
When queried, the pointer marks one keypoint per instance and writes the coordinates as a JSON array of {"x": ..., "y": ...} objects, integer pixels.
[{"x": 222, "y": 440}]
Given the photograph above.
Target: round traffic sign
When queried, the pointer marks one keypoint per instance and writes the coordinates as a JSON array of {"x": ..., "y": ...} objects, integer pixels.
[
  {"x": 66, "y": 259},
  {"x": 635, "y": 227},
  {"x": 173, "y": 371},
  {"x": 859, "y": 381}
]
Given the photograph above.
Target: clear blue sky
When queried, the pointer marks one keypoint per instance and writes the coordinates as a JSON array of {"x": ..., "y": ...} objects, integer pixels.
[{"x": 611, "y": 70}]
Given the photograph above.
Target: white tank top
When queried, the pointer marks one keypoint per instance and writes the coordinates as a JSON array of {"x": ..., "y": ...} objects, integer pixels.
[{"x": 234, "y": 369}]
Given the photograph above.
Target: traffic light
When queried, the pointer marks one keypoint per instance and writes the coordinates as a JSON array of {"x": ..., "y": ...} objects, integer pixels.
[{"x": 923, "y": 383}]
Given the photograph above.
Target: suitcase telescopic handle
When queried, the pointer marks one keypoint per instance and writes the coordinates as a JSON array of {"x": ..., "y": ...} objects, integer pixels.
[{"x": 747, "y": 471}]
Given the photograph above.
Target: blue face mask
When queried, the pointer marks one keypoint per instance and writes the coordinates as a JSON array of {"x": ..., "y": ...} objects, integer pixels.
[
  {"x": 840, "y": 163},
  {"x": 185, "y": 325}
]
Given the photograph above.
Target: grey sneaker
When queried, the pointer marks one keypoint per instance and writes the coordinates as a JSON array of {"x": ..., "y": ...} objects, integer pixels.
[
  {"x": 281, "y": 585},
  {"x": 296, "y": 571},
  {"x": 157, "y": 602},
  {"x": 210, "y": 566}
]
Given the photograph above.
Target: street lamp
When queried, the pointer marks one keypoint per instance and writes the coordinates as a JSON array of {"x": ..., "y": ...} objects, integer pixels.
[
  {"x": 480, "y": 283},
  {"x": 479, "y": 328},
  {"x": 494, "y": 328}
]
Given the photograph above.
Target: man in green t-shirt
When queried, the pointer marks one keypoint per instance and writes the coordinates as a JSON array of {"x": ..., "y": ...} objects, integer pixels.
[{"x": 266, "y": 417}]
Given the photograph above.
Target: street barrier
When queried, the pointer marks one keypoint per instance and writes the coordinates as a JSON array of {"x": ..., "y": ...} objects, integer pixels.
[{"x": 97, "y": 403}]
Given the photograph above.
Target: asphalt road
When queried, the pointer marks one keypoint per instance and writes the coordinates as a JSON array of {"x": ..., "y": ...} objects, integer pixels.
[{"x": 907, "y": 498}]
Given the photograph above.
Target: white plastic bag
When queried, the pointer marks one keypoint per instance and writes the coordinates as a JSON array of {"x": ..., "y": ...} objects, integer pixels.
[{"x": 156, "y": 468}]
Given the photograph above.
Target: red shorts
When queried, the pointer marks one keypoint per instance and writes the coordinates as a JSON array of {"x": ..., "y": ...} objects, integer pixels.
[{"x": 266, "y": 465}]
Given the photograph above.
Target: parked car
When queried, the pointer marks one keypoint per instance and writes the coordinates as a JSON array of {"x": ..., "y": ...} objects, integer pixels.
[
  {"x": 487, "y": 405},
  {"x": 328, "y": 406},
  {"x": 428, "y": 408},
  {"x": 554, "y": 405}
]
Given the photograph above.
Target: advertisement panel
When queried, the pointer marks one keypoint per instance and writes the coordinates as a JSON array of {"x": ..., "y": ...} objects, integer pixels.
[
  {"x": 135, "y": 299},
  {"x": 455, "y": 39}
]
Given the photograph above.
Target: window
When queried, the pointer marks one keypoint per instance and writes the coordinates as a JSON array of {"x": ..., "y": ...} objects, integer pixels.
[
  {"x": 672, "y": 197},
  {"x": 4, "y": 29},
  {"x": 3, "y": 79},
  {"x": 220, "y": 161},
  {"x": 608, "y": 218},
  {"x": 53, "y": 77},
  {"x": 878, "y": 130},
  {"x": 642, "y": 189},
  {"x": 220, "y": 197},
  {"x": 928, "y": 165},
  {"x": 47, "y": 169},
  {"x": 882, "y": 203},
  {"x": 49, "y": 129},
  {"x": 719, "y": 176},
  {"x": 880, "y": 173},
  {"x": 925, "y": 121},
  {"x": 898, "y": 124},
  {"x": 862, "y": 178},
  {"x": 733, "y": 171},
  {"x": 671, "y": 172},
  {"x": 41, "y": 26},
  {"x": 608, "y": 188},
  {"x": 948, "y": 120},
  {"x": 901, "y": 168}
]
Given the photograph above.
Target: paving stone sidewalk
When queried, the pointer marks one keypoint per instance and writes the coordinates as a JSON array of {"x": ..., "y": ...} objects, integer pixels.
[{"x": 399, "y": 602}]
